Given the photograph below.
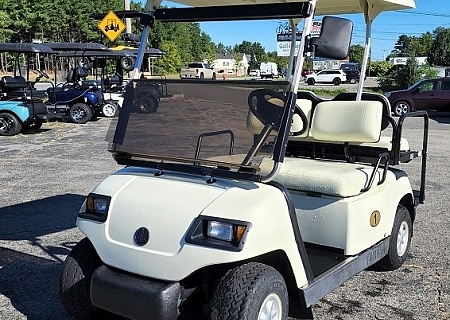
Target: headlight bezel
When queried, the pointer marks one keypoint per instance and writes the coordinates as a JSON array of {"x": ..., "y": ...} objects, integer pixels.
[
  {"x": 198, "y": 233},
  {"x": 90, "y": 211}
]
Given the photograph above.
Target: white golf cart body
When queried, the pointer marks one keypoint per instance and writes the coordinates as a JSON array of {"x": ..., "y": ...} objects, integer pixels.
[{"x": 216, "y": 178}]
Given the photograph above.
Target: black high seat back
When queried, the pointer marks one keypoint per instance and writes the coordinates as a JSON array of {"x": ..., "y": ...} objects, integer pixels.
[{"x": 9, "y": 84}]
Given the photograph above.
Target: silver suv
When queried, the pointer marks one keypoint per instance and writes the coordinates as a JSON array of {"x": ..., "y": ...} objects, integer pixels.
[{"x": 335, "y": 77}]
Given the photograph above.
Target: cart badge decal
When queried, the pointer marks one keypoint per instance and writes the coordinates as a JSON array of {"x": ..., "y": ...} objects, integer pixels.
[
  {"x": 375, "y": 218},
  {"x": 141, "y": 236},
  {"x": 111, "y": 26}
]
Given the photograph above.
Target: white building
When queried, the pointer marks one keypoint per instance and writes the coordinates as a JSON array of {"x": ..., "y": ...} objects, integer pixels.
[
  {"x": 236, "y": 64},
  {"x": 404, "y": 60}
]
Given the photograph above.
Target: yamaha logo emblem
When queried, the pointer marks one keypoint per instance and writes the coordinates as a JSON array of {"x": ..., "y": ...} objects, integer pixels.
[{"x": 141, "y": 236}]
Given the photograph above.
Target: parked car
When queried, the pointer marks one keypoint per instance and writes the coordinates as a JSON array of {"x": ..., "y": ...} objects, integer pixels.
[
  {"x": 349, "y": 66},
  {"x": 199, "y": 70},
  {"x": 305, "y": 72},
  {"x": 255, "y": 73},
  {"x": 428, "y": 94},
  {"x": 335, "y": 77},
  {"x": 352, "y": 75}
]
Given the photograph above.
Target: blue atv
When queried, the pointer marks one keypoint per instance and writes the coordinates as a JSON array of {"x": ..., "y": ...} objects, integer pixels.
[{"x": 78, "y": 98}]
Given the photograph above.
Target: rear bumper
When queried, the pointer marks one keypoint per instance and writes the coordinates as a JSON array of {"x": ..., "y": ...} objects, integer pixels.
[{"x": 133, "y": 296}]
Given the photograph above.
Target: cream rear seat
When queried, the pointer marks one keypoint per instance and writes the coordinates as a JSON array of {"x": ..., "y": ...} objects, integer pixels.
[
  {"x": 354, "y": 122},
  {"x": 336, "y": 121}
]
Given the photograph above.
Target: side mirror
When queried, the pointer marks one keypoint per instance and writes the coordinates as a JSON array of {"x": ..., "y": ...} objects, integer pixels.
[{"x": 334, "y": 40}]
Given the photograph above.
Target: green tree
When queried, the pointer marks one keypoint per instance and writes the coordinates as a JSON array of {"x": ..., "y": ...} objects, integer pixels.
[
  {"x": 439, "y": 54},
  {"x": 379, "y": 68},
  {"x": 356, "y": 53},
  {"x": 408, "y": 74},
  {"x": 171, "y": 61}
]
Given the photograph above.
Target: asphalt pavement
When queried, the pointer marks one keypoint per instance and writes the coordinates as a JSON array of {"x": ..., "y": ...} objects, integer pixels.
[{"x": 44, "y": 178}]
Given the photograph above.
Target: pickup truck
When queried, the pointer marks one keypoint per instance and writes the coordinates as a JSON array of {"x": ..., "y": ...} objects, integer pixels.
[{"x": 198, "y": 70}]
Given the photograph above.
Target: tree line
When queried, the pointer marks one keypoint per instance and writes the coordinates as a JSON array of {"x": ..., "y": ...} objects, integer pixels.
[{"x": 71, "y": 21}]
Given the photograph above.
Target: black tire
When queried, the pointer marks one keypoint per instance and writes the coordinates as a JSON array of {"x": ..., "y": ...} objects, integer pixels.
[
  {"x": 146, "y": 105},
  {"x": 127, "y": 63},
  {"x": 34, "y": 126},
  {"x": 9, "y": 124},
  {"x": 202, "y": 75},
  {"x": 75, "y": 282},
  {"x": 80, "y": 113},
  {"x": 243, "y": 292},
  {"x": 352, "y": 80},
  {"x": 400, "y": 241},
  {"x": 214, "y": 77},
  {"x": 110, "y": 109},
  {"x": 311, "y": 81},
  {"x": 336, "y": 81},
  {"x": 401, "y": 107}
]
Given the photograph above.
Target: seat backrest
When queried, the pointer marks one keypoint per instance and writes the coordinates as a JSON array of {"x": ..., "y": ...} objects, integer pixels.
[
  {"x": 347, "y": 121},
  {"x": 9, "y": 83},
  {"x": 369, "y": 96}
]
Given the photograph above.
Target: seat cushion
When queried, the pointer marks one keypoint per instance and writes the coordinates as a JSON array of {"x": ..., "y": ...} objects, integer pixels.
[{"x": 333, "y": 178}]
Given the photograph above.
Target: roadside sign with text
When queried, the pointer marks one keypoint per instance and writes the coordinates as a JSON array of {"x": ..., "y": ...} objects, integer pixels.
[{"x": 111, "y": 26}]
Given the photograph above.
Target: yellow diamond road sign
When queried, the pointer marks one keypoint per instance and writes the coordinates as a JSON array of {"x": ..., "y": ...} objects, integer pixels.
[{"x": 111, "y": 26}]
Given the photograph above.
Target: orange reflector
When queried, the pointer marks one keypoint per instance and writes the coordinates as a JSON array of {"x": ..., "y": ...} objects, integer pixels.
[
  {"x": 90, "y": 204},
  {"x": 239, "y": 233}
]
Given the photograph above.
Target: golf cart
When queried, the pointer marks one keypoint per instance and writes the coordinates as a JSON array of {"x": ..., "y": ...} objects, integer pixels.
[
  {"x": 112, "y": 86},
  {"x": 245, "y": 199},
  {"x": 20, "y": 103},
  {"x": 78, "y": 98}
]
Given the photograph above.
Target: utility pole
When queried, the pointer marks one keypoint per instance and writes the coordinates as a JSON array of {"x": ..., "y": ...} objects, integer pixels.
[
  {"x": 127, "y": 20},
  {"x": 384, "y": 55}
]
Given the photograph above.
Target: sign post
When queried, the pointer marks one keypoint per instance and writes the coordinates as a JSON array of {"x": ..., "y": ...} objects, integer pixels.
[{"x": 111, "y": 26}]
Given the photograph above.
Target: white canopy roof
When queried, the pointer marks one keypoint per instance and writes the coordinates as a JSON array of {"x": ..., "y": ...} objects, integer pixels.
[{"x": 324, "y": 7}]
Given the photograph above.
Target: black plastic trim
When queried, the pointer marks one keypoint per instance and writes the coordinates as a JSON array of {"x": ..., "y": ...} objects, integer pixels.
[
  {"x": 134, "y": 297},
  {"x": 333, "y": 278},
  {"x": 235, "y": 12},
  {"x": 197, "y": 234},
  {"x": 295, "y": 227}
]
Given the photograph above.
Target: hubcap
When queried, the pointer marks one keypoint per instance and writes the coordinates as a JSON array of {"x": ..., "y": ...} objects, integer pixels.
[
  {"x": 401, "y": 109},
  {"x": 109, "y": 110},
  {"x": 6, "y": 125},
  {"x": 79, "y": 113},
  {"x": 402, "y": 239},
  {"x": 271, "y": 308}
]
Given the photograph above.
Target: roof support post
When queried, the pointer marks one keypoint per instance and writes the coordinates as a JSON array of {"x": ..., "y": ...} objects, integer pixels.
[
  {"x": 301, "y": 50},
  {"x": 370, "y": 12},
  {"x": 151, "y": 7},
  {"x": 292, "y": 51}
]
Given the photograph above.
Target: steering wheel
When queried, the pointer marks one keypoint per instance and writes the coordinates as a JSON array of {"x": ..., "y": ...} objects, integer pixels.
[
  {"x": 43, "y": 74},
  {"x": 263, "y": 104}
]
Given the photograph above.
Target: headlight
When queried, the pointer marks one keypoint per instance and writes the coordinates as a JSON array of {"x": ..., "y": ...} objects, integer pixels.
[
  {"x": 95, "y": 207},
  {"x": 220, "y": 230},
  {"x": 218, "y": 233}
]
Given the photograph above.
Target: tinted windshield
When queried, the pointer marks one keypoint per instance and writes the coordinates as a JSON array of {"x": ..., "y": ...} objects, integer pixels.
[{"x": 196, "y": 123}]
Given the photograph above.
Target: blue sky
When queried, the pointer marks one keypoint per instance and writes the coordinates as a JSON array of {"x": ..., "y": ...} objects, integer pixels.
[{"x": 387, "y": 27}]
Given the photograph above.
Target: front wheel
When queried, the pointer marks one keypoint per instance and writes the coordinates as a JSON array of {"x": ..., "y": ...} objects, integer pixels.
[
  {"x": 400, "y": 241},
  {"x": 401, "y": 107},
  {"x": 250, "y": 291},
  {"x": 146, "y": 104},
  {"x": 352, "y": 80},
  {"x": 311, "y": 81},
  {"x": 80, "y": 113},
  {"x": 75, "y": 282},
  {"x": 110, "y": 109},
  {"x": 9, "y": 124}
]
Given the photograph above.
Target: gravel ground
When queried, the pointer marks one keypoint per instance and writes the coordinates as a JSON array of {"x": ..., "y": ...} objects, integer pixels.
[{"x": 44, "y": 179}]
